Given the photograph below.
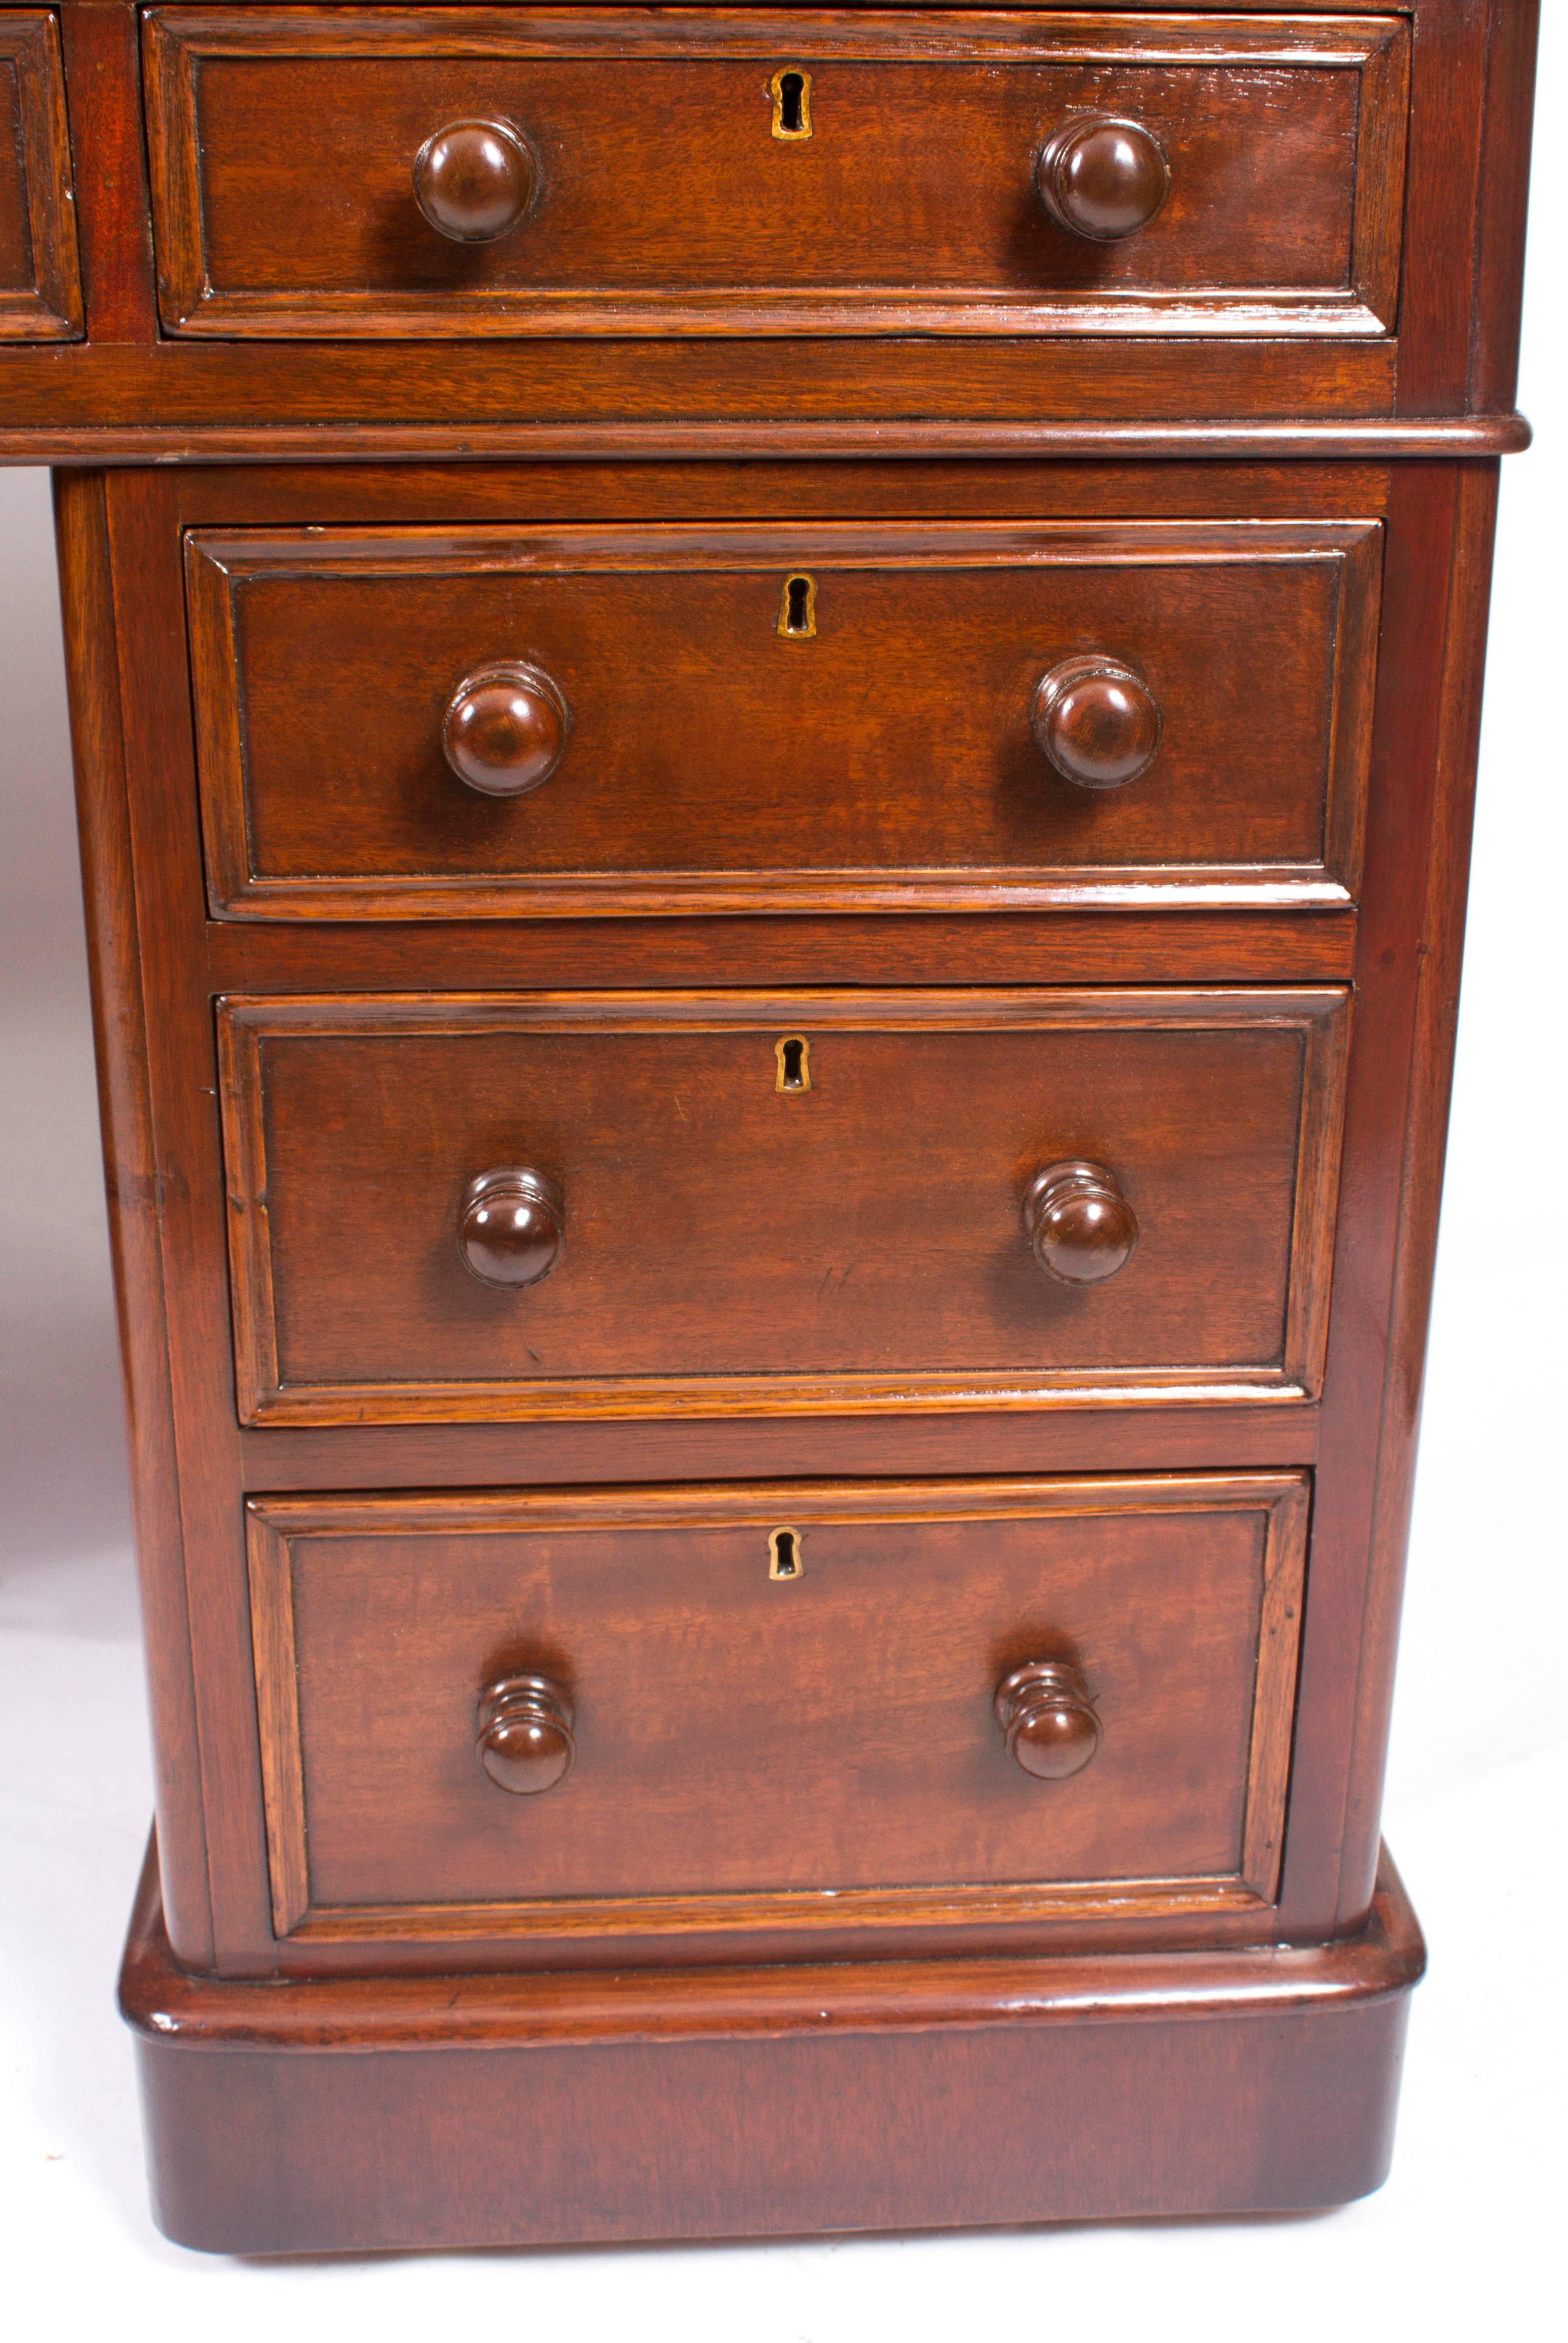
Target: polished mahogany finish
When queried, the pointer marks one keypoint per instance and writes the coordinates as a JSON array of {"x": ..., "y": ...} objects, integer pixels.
[
  {"x": 524, "y": 1741},
  {"x": 297, "y": 2116},
  {"x": 40, "y": 281},
  {"x": 511, "y": 1226},
  {"x": 1049, "y": 1722},
  {"x": 1098, "y": 722},
  {"x": 765, "y": 1754},
  {"x": 736, "y": 1248},
  {"x": 1007, "y": 649},
  {"x": 1432, "y": 133},
  {"x": 876, "y": 755},
  {"x": 1103, "y": 179},
  {"x": 475, "y": 181},
  {"x": 504, "y": 730},
  {"x": 907, "y": 210},
  {"x": 1081, "y": 1226},
  {"x": 153, "y": 512}
]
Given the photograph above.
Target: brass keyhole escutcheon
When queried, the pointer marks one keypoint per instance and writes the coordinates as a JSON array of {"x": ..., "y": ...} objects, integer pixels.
[
  {"x": 784, "y": 1554},
  {"x": 793, "y": 1056},
  {"x": 790, "y": 90},
  {"x": 798, "y": 607}
]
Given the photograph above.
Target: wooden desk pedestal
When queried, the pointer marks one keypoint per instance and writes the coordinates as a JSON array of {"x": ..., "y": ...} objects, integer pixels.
[{"x": 775, "y": 720}]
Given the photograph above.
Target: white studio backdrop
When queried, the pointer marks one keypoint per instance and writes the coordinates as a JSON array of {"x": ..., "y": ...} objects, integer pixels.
[{"x": 1478, "y": 1783}]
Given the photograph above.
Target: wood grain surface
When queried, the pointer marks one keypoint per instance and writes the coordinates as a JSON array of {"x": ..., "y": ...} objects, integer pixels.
[
  {"x": 40, "y": 275},
  {"x": 715, "y": 763},
  {"x": 185, "y": 958},
  {"x": 912, "y": 206},
  {"x": 1238, "y": 372},
  {"x": 143, "y": 514},
  {"x": 757, "y": 1753},
  {"x": 731, "y": 1251},
  {"x": 1192, "y": 2082}
]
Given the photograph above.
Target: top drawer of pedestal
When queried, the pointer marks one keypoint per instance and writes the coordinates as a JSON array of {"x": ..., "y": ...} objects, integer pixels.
[{"x": 519, "y": 172}]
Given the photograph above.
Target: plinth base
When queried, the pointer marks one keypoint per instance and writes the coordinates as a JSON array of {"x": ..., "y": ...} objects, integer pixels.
[{"x": 570, "y": 2109}]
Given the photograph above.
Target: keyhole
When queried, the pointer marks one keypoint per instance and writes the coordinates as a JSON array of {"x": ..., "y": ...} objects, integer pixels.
[
  {"x": 794, "y": 1056},
  {"x": 791, "y": 94},
  {"x": 798, "y": 606},
  {"x": 784, "y": 1554}
]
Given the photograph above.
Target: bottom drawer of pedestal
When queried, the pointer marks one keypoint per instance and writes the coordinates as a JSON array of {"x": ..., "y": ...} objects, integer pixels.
[{"x": 775, "y": 1705}]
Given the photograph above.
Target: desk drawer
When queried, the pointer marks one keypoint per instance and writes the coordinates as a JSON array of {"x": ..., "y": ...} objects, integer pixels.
[
  {"x": 510, "y": 171},
  {"x": 494, "y": 1208},
  {"x": 508, "y": 721},
  {"x": 40, "y": 276},
  {"x": 606, "y": 1711}
]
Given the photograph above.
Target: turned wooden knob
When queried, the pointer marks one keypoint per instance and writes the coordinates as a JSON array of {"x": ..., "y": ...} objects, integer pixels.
[
  {"x": 1081, "y": 1226},
  {"x": 474, "y": 181},
  {"x": 1047, "y": 1720},
  {"x": 1098, "y": 722},
  {"x": 505, "y": 728},
  {"x": 525, "y": 1742},
  {"x": 513, "y": 1226},
  {"x": 1102, "y": 177}
]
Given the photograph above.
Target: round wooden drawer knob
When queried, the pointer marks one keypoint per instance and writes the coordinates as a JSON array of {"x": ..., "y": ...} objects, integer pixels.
[
  {"x": 1098, "y": 722},
  {"x": 513, "y": 1226},
  {"x": 1102, "y": 177},
  {"x": 474, "y": 181},
  {"x": 1047, "y": 1720},
  {"x": 504, "y": 730},
  {"x": 525, "y": 1742},
  {"x": 1081, "y": 1226}
]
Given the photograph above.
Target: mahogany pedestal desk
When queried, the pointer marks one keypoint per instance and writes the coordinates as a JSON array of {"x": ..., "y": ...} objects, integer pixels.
[{"x": 776, "y": 714}]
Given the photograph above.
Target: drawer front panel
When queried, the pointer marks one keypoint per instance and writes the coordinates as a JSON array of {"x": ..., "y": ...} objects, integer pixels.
[
  {"x": 654, "y": 175},
  {"x": 747, "y": 1750},
  {"x": 40, "y": 279},
  {"x": 790, "y": 718},
  {"x": 757, "y": 1204}
]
